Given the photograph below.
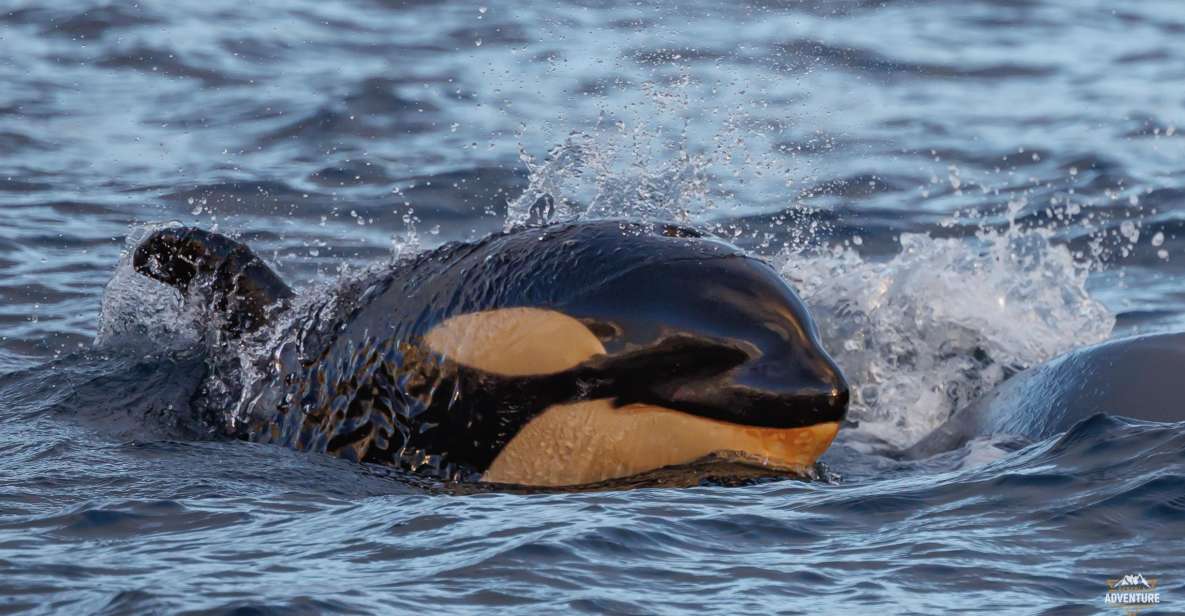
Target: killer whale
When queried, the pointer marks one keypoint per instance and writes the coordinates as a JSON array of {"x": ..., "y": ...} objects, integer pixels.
[
  {"x": 1139, "y": 377},
  {"x": 552, "y": 356}
]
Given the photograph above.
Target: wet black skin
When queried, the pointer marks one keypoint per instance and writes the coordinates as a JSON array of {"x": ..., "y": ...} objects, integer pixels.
[
  {"x": 688, "y": 323},
  {"x": 239, "y": 284}
]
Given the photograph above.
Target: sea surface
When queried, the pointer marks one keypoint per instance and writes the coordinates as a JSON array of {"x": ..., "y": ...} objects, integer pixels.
[{"x": 959, "y": 190}]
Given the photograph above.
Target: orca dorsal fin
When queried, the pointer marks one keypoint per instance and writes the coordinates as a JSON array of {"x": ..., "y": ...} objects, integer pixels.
[{"x": 224, "y": 273}]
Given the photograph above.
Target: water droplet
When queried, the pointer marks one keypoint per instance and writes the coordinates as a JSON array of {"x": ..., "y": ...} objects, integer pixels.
[{"x": 1129, "y": 230}]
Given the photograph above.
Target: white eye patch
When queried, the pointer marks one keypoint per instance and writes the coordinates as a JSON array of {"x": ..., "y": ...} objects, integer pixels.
[{"x": 515, "y": 341}]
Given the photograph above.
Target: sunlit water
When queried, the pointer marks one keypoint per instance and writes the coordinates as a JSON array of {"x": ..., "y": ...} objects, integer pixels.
[{"x": 958, "y": 190}]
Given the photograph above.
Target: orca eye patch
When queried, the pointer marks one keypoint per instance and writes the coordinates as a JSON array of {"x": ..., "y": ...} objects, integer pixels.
[{"x": 519, "y": 341}]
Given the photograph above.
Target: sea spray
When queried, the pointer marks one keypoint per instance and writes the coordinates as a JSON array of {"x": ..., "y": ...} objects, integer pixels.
[
  {"x": 140, "y": 313},
  {"x": 935, "y": 326},
  {"x": 587, "y": 178},
  {"x": 920, "y": 333}
]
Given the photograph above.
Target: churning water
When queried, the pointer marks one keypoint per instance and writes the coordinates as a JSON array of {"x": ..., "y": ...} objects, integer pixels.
[{"x": 958, "y": 190}]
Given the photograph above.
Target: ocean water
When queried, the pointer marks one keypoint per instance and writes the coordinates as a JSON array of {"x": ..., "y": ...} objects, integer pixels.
[{"x": 958, "y": 191}]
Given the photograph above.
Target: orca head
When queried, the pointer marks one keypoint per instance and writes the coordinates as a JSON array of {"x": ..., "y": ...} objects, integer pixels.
[
  {"x": 724, "y": 339},
  {"x": 671, "y": 360}
]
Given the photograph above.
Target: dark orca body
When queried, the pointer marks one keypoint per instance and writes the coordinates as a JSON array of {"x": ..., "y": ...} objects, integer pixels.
[
  {"x": 1141, "y": 377},
  {"x": 547, "y": 356}
]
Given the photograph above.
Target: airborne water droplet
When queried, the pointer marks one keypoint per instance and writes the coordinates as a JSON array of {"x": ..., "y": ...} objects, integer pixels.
[{"x": 1129, "y": 230}]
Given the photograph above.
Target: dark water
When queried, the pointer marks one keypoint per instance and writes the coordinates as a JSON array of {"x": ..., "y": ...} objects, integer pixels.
[{"x": 959, "y": 190}]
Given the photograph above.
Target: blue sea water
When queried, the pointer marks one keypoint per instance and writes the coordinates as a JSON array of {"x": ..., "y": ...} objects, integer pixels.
[{"x": 958, "y": 190}]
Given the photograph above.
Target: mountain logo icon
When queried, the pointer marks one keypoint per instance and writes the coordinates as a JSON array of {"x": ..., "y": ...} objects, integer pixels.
[
  {"x": 1134, "y": 580},
  {"x": 1131, "y": 593}
]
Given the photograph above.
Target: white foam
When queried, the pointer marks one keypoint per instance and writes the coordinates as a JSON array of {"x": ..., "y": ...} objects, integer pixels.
[{"x": 921, "y": 334}]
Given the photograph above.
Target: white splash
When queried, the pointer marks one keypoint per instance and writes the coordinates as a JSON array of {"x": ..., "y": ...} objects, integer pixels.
[
  {"x": 140, "y": 313},
  {"x": 919, "y": 335},
  {"x": 936, "y": 326}
]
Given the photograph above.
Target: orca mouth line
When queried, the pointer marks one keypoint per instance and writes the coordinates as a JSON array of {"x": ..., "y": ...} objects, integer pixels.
[{"x": 659, "y": 375}]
